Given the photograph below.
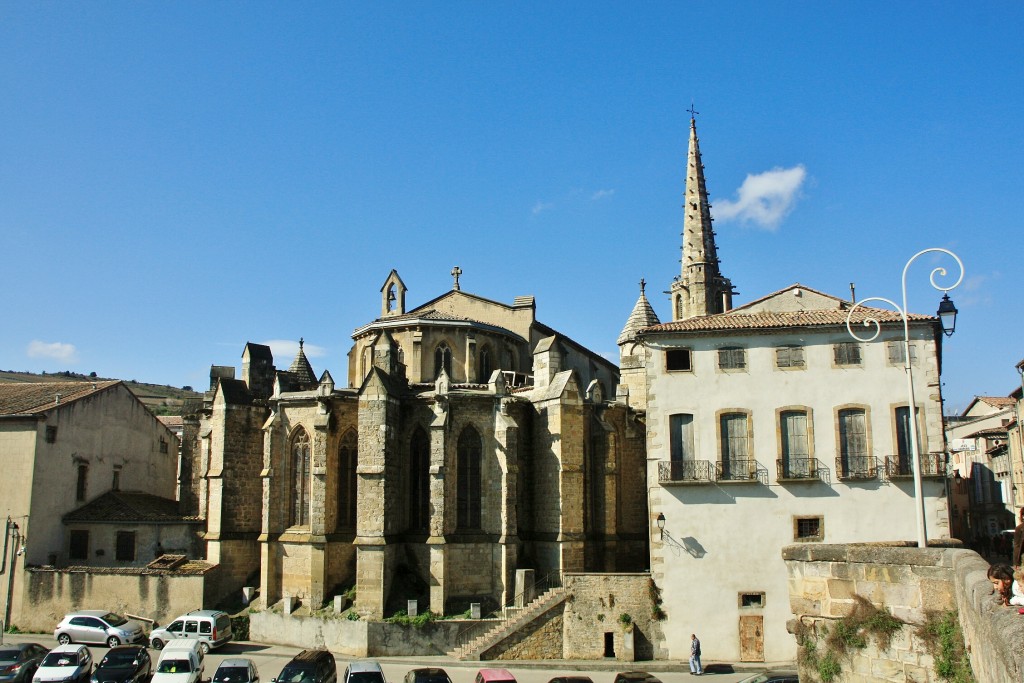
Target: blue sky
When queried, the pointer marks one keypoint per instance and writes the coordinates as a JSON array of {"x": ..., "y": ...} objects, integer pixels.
[{"x": 179, "y": 178}]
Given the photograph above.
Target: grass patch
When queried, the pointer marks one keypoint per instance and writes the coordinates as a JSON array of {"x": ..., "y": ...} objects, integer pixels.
[{"x": 943, "y": 638}]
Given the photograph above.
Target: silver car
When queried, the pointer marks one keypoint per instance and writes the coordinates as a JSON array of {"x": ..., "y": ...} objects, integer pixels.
[
  {"x": 98, "y": 626},
  {"x": 236, "y": 670}
]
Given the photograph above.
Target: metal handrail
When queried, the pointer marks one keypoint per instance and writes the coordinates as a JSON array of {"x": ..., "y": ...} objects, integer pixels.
[
  {"x": 737, "y": 469},
  {"x": 797, "y": 468},
  {"x": 932, "y": 465},
  {"x": 685, "y": 470},
  {"x": 857, "y": 467},
  {"x": 501, "y": 615}
]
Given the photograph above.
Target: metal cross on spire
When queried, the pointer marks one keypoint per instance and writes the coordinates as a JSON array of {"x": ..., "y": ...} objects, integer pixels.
[
  {"x": 693, "y": 112},
  {"x": 456, "y": 272},
  {"x": 643, "y": 285}
]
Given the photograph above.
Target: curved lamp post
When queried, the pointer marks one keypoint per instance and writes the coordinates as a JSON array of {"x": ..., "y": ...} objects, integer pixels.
[{"x": 947, "y": 316}]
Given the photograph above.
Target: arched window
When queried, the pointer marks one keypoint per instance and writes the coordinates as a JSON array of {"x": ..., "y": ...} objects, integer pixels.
[
  {"x": 484, "y": 373},
  {"x": 347, "y": 459},
  {"x": 442, "y": 359},
  {"x": 419, "y": 481},
  {"x": 300, "y": 478},
  {"x": 468, "y": 501}
]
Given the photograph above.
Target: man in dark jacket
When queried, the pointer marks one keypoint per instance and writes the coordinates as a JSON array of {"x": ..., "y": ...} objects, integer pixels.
[{"x": 695, "y": 667}]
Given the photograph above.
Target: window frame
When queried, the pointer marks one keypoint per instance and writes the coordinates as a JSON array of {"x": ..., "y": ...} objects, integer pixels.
[
  {"x": 78, "y": 539},
  {"x": 897, "y": 359},
  {"x": 732, "y": 359},
  {"x": 469, "y": 480},
  {"x": 300, "y": 448},
  {"x": 808, "y": 522},
  {"x": 788, "y": 351},
  {"x": 842, "y": 355},
  {"x": 125, "y": 541},
  {"x": 679, "y": 354}
]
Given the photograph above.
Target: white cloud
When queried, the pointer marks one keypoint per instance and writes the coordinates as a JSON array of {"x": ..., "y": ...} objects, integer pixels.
[
  {"x": 764, "y": 199},
  {"x": 53, "y": 350},
  {"x": 601, "y": 194},
  {"x": 542, "y": 206},
  {"x": 286, "y": 349}
]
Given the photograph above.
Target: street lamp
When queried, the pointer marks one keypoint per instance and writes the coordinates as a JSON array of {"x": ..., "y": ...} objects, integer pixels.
[
  {"x": 947, "y": 316},
  {"x": 661, "y": 524}
]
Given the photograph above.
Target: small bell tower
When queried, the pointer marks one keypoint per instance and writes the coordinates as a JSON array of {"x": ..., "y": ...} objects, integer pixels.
[{"x": 392, "y": 300}]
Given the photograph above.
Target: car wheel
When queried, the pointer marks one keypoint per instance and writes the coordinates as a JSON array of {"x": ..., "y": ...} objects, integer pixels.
[
  {"x": 204, "y": 647},
  {"x": 157, "y": 644},
  {"x": 113, "y": 641},
  {"x": 64, "y": 639}
]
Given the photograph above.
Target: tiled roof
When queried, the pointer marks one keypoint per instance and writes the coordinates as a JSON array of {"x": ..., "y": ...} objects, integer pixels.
[
  {"x": 997, "y": 401},
  {"x": 130, "y": 506},
  {"x": 988, "y": 433},
  {"x": 302, "y": 369},
  {"x": 39, "y": 397},
  {"x": 236, "y": 391},
  {"x": 429, "y": 314},
  {"x": 766, "y": 320},
  {"x": 171, "y": 420}
]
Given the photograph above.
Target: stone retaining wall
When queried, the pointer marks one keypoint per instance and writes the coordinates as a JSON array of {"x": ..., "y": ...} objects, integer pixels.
[{"x": 993, "y": 633}]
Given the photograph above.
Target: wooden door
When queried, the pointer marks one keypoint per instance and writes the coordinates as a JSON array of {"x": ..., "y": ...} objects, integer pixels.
[{"x": 752, "y": 638}]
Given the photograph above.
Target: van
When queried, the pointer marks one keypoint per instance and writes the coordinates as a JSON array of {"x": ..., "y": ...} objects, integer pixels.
[
  {"x": 212, "y": 628},
  {"x": 181, "y": 661}
]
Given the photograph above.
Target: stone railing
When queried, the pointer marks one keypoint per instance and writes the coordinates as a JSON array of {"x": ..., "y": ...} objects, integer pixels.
[{"x": 909, "y": 583}]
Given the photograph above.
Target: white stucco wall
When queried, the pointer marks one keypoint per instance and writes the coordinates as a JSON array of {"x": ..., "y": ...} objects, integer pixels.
[{"x": 724, "y": 539}]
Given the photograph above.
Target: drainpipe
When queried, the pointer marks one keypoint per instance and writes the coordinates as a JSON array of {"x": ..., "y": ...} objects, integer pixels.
[
  {"x": 7, "y": 533},
  {"x": 12, "y": 531}
]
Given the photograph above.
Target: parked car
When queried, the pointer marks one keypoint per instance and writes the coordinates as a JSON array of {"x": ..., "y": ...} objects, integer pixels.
[
  {"x": 97, "y": 626},
  {"x": 784, "y": 676},
  {"x": 635, "y": 677},
  {"x": 494, "y": 676},
  {"x": 66, "y": 664},
  {"x": 571, "y": 679},
  {"x": 427, "y": 675},
  {"x": 212, "y": 628},
  {"x": 180, "y": 661},
  {"x": 363, "y": 671},
  {"x": 236, "y": 670},
  {"x": 124, "y": 664},
  {"x": 309, "y": 666},
  {"x": 19, "y": 661}
]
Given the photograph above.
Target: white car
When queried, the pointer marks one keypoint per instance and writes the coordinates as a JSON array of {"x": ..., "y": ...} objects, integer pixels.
[
  {"x": 65, "y": 664},
  {"x": 181, "y": 661},
  {"x": 100, "y": 627}
]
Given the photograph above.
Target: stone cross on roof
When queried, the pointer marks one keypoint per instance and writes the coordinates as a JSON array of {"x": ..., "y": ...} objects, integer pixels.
[{"x": 456, "y": 272}]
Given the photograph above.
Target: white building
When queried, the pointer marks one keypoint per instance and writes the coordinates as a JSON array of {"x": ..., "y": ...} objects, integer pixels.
[{"x": 768, "y": 424}]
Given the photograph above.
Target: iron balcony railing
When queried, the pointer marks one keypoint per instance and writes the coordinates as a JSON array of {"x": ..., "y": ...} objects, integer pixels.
[
  {"x": 932, "y": 465},
  {"x": 685, "y": 471},
  {"x": 857, "y": 467},
  {"x": 801, "y": 469},
  {"x": 740, "y": 469}
]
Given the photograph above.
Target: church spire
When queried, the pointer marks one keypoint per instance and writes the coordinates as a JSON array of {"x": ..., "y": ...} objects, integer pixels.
[
  {"x": 643, "y": 315},
  {"x": 700, "y": 288}
]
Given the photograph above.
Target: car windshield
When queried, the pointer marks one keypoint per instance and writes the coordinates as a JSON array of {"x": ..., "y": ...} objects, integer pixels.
[
  {"x": 120, "y": 658},
  {"x": 174, "y": 666},
  {"x": 114, "y": 619},
  {"x": 60, "y": 659},
  {"x": 292, "y": 674},
  {"x": 231, "y": 674},
  {"x": 8, "y": 656},
  {"x": 366, "y": 677},
  {"x": 433, "y": 678}
]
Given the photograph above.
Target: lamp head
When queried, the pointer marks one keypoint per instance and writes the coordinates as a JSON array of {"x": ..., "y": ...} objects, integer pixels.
[
  {"x": 947, "y": 315},
  {"x": 661, "y": 521}
]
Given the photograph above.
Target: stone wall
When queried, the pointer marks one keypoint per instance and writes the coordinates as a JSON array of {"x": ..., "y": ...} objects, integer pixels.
[
  {"x": 910, "y": 584},
  {"x": 593, "y": 610},
  {"x": 49, "y": 594},
  {"x": 992, "y": 632},
  {"x": 354, "y": 638},
  {"x": 540, "y": 639}
]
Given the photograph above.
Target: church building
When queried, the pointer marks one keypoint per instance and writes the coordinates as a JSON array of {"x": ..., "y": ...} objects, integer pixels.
[{"x": 469, "y": 441}]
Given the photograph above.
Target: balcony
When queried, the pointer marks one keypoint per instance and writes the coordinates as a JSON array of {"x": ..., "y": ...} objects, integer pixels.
[
  {"x": 686, "y": 472},
  {"x": 857, "y": 468},
  {"x": 735, "y": 470},
  {"x": 802, "y": 470},
  {"x": 902, "y": 466}
]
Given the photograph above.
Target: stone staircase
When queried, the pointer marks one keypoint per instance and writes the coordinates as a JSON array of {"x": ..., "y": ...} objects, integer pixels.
[{"x": 513, "y": 619}]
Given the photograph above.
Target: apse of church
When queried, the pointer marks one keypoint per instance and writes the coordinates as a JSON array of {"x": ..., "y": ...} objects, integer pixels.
[{"x": 472, "y": 441}]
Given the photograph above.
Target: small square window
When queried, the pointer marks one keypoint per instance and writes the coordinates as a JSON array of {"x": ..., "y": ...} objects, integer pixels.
[
  {"x": 894, "y": 350},
  {"x": 789, "y": 357},
  {"x": 808, "y": 528},
  {"x": 751, "y": 599},
  {"x": 732, "y": 358},
  {"x": 51, "y": 435},
  {"x": 847, "y": 353},
  {"x": 678, "y": 360},
  {"x": 163, "y": 445}
]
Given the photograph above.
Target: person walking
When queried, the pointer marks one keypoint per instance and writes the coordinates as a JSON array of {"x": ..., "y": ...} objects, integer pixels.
[{"x": 695, "y": 667}]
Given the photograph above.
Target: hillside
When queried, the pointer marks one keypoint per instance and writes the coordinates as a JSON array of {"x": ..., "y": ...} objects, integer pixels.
[{"x": 159, "y": 398}]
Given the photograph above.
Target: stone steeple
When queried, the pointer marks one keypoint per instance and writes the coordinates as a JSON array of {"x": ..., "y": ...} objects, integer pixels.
[
  {"x": 301, "y": 368},
  {"x": 643, "y": 315},
  {"x": 700, "y": 289}
]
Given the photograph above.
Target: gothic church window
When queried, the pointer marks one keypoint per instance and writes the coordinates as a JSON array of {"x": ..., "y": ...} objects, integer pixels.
[
  {"x": 347, "y": 459},
  {"x": 419, "y": 481},
  {"x": 485, "y": 364},
  {"x": 442, "y": 359},
  {"x": 468, "y": 503},
  {"x": 300, "y": 478}
]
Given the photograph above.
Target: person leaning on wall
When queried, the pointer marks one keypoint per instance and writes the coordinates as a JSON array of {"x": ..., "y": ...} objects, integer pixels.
[{"x": 1018, "y": 541}]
